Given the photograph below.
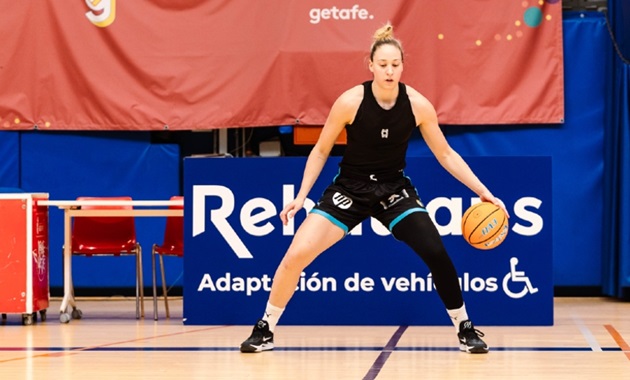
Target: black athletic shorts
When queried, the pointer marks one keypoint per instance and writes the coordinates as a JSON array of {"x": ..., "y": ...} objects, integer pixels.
[{"x": 348, "y": 201}]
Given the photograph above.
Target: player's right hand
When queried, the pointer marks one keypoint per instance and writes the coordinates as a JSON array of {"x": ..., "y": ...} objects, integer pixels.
[{"x": 290, "y": 209}]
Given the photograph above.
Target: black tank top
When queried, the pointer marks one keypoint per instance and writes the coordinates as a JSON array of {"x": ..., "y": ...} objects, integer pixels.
[{"x": 378, "y": 138}]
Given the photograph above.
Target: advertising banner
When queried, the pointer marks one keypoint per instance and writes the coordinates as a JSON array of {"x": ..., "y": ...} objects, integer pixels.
[
  {"x": 234, "y": 240},
  {"x": 197, "y": 65}
]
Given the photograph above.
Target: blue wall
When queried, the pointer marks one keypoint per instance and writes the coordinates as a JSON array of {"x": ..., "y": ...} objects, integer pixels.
[
  {"x": 67, "y": 165},
  {"x": 9, "y": 160}
]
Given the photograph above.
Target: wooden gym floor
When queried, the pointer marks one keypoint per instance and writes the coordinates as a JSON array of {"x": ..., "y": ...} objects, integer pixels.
[{"x": 589, "y": 340}]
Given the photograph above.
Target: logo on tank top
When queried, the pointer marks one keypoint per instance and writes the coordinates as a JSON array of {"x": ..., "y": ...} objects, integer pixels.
[
  {"x": 341, "y": 201},
  {"x": 384, "y": 133}
]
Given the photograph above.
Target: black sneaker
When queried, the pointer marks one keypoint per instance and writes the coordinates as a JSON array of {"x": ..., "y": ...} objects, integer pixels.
[
  {"x": 260, "y": 340},
  {"x": 469, "y": 339}
]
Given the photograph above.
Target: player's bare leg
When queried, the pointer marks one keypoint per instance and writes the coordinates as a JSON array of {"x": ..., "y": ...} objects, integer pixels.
[{"x": 314, "y": 236}]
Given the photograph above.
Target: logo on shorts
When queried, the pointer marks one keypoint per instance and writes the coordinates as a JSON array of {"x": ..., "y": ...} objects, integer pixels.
[
  {"x": 341, "y": 201},
  {"x": 394, "y": 198}
]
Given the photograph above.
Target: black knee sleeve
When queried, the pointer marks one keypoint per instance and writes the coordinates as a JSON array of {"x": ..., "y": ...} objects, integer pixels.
[{"x": 418, "y": 232}]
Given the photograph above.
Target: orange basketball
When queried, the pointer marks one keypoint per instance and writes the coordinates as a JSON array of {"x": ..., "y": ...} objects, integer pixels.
[{"x": 484, "y": 225}]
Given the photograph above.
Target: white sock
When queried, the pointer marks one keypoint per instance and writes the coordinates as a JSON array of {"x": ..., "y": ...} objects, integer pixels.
[
  {"x": 272, "y": 315},
  {"x": 457, "y": 316}
]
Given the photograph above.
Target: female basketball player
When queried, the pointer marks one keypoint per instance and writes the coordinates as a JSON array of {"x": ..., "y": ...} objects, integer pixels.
[{"x": 379, "y": 116}]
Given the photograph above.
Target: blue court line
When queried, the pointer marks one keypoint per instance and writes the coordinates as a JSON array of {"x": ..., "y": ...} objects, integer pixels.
[
  {"x": 385, "y": 353},
  {"x": 556, "y": 349},
  {"x": 297, "y": 349}
]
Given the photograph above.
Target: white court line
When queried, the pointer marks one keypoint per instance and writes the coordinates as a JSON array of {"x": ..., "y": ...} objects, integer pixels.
[{"x": 590, "y": 339}]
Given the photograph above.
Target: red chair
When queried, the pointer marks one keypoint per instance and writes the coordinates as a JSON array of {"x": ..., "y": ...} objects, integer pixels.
[
  {"x": 109, "y": 236},
  {"x": 173, "y": 245}
]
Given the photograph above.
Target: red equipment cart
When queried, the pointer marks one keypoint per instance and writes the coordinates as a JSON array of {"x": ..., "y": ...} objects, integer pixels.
[{"x": 24, "y": 284}]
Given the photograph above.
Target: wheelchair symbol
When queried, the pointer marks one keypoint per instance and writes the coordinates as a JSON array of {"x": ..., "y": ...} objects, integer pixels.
[{"x": 517, "y": 276}]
